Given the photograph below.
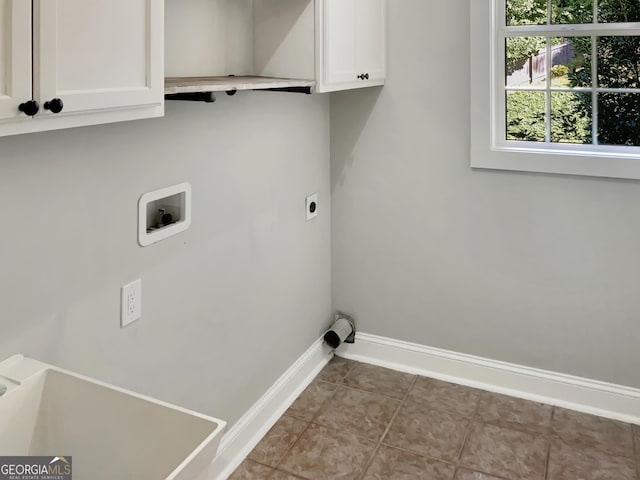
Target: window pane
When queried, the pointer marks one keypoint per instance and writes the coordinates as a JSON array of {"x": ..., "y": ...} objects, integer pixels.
[
  {"x": 571, "y": 62},
  {"x": 526, "y": 12},
  {"x": 618, "y": 11},
  {"x": 525, "y": 62},
  {"x": 571, "y": 117},
  {"x": 526, "y": 116},
  {"x": 619, "y": 119},
  {"x": 619, "y": 62},
  {"x": 571, "y": 11}
]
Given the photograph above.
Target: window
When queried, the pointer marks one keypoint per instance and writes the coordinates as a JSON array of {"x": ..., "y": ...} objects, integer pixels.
[{"x": 556, "y": 86}]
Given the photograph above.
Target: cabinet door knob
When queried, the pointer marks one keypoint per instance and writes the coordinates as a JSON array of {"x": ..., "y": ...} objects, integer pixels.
[
  {"x": 361, "y": 76},
  {"x": 366, "y": 76},
  {"x": 29, "y": 108},
  {"x": 55, "y": 105}
]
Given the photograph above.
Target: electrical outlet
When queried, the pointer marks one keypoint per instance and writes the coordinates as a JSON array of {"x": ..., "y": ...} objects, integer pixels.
[
  {"x": 312, "y": 206},
  {"x": 131, "y": 298}
]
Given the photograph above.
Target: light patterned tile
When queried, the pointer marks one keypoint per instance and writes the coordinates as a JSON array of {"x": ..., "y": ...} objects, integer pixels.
[
  {"x": 336, "y": 370},
  {"x": 391, "y": 463},
  {"x": 514, "y": 413},
  {"x": 361, "y": 413},
  {"x": 326, "y": 454},
  {"x": 278, "y": 441},
  {"x": 505, "y": 453},
  {"x": 433, "y": 433},
  {"x": 580, "y": 429},
  {"x": 249, "y": 470},
  {"x": 445, "y": 396},
  {"x": 586, "y": 463},
  {"x": 379, "y": 380},
  {"x": 308, "y": 404}
]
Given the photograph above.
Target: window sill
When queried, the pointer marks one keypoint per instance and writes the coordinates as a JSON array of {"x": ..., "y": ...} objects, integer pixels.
[{"x": 555, "y": 161}]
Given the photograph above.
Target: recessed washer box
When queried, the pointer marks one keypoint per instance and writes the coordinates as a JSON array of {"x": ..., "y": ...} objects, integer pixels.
[{"x": 163, "y": 213}]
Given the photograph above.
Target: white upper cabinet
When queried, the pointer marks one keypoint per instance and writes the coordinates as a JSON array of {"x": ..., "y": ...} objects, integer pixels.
[
  {"x": 91, "y": 62},
  {"x": 15, "y": 57},
  {"x": 340, "y": 64},
  {"x": 336, "y": 44},
  {"x": 352, "y": 44},
  {"x": 99, "y": 54},
  {"x": 371, "y": 39}
]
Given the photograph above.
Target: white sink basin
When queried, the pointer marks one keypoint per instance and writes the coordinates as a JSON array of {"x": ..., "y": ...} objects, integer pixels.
[{"x": 109, "y": 432}]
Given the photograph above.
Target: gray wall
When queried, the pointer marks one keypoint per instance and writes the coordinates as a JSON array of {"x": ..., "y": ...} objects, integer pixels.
[
  {"x": 533, "y": 269},
  {"x": 228, "y": 305},
  {"x": 539, "y": 270}
]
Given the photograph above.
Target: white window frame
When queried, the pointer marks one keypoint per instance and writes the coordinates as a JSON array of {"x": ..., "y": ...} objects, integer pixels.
[{"x": 489, "y": 147}]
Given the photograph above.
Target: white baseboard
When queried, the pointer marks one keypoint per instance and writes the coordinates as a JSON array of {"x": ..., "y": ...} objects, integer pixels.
[
  {"x": 581, "y": 394},
  {"x": 238, "y": 442},
  {"x": 575, "y": 393}
]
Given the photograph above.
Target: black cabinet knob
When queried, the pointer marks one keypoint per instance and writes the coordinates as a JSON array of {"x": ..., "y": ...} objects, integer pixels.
[
  {"x": 363, "y": 76},
  {"x": 55, "y": 105},
  {"x": 29, "y": 108},
  {"x": 366, "y": 76}
]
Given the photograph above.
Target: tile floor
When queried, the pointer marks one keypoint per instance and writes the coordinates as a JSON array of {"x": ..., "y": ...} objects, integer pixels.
[{"x": 358, "y": 421}]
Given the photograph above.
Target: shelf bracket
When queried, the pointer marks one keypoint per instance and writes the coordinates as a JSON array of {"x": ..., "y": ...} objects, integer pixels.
[
  {"x": 207, "y": 97},
  {"x": 305, "y": 90}
]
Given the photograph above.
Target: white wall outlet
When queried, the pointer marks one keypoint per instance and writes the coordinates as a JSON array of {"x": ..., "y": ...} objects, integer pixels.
[
  {"x": 312, "y": 206},
  {"x": 131, "y": 297}
]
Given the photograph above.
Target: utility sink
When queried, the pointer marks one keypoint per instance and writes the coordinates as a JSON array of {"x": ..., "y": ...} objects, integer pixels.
[{"x": 109, "y": 432}]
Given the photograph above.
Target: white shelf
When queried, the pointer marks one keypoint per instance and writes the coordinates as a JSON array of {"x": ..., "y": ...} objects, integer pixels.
[{"x": 223, "y": 84}]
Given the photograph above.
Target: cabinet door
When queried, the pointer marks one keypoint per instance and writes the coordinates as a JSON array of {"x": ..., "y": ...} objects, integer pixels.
[
  {"x": 15, "y": 56},
  {"x": 339, "y": 41},
  {"x": 371, "y": 38},
  {"x": 98, "y": 54}
]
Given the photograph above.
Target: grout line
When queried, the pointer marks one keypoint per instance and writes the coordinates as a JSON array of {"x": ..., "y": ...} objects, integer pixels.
[
  {"x": 316, "y": 414},
  {"x": 556, "y": 435},
  {"x": 401, "y": 404},
  {"x": 386, "y": 430},
  {"x": 271, "y": 474},
  {"x": 418, "y": 454},
  {"x": 291, "y": 448},
  {"x": 636, "y": 449},
  {"x": 254, "y": 461},
  {"x": 333, "y": 394},
  {"x": 550, "y": 440},
  {"x": 546, "y": 465},
  {"x": 518, "y": 427},
  {"x": 367, "y": 465},
  {"x": 456, "y": 470},
  {"x": 309, "y": 422},
  {"x": 339, "y": 382},
  {"x": 324, "y": 404},
  {"x": 369, "y": 392},
  {"x": 350, "y": 370},
  {"x": 447, "y": 462},
  {"x": 467, "y": 432},
  {"x": 475, "y": 470}
]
